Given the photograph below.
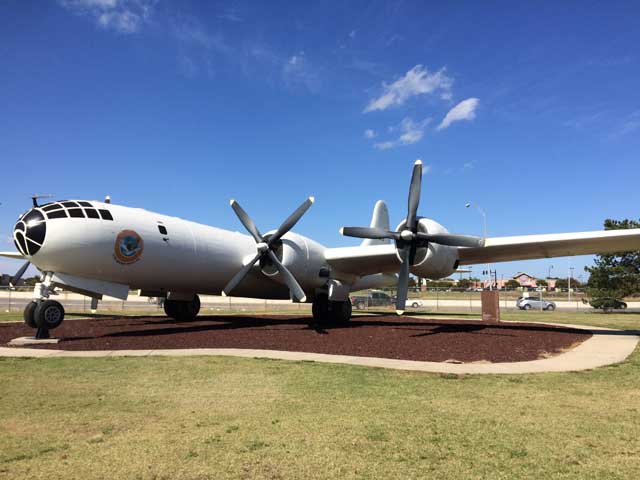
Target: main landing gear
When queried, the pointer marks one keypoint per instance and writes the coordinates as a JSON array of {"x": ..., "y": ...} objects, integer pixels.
[
  {"x": 326, "y": 312},
  {"x": 182, "y": 310}
]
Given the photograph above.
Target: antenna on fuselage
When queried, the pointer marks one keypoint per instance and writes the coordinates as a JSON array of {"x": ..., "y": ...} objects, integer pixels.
[
  {"x": 35, "y": 197},
  {"x": 107, "y": 199}
]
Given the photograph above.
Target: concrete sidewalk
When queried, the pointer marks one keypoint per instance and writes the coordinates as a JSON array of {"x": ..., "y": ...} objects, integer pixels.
[{"x": 605, "y": 347}]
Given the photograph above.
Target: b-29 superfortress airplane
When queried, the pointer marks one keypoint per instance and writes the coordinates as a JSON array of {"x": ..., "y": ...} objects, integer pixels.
[{"x": 97, "y": 249}]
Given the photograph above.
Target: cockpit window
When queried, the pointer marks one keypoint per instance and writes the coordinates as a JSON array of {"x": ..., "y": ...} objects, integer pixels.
[
  {"x": 105, "y": 214},
  {"x": 76, "y": 213},
  {"x": 86, "y": 204},
  {"x": 57, "y": 214},
  {"x": 91, "y": 213},
  {"x": 70, "y": 204},
  {"x": 53, "y": 206}
]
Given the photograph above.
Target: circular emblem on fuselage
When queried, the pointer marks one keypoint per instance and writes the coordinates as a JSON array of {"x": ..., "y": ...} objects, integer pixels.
[{"x": 128, "y": 248}]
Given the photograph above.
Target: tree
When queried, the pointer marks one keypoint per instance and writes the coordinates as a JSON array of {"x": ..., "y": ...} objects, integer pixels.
[
  {"x": 512, "y": 284},
  {"x": 563, "y": 283},
  {"x": 464, "y": 283},
  {"x": 541, "y": 282},
  {"x": 615, "y": 274}
]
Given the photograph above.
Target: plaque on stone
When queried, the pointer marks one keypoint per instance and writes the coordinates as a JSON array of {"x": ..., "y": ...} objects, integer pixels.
[{"x": 490, "y": 306}]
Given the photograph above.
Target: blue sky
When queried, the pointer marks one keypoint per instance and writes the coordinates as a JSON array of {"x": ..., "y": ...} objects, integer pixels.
[{"x": 530, "y": 110}]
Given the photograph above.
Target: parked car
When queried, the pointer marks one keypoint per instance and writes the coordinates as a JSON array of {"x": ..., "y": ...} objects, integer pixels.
[
  {"x": 534, "y": 303},
  {"x": 608, "y": 303},
  {"x": 374, "y": 299}
]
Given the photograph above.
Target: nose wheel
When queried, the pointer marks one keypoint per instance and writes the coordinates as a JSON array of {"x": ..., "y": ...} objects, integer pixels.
[{"x": 44, "y": 315}]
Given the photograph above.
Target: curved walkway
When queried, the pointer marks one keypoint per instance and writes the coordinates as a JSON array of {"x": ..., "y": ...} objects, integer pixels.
[{"x": 605, "y": 347}]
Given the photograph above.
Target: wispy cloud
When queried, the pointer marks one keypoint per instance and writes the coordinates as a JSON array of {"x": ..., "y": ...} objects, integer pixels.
[
  {"x": 465, "y": 110},
  {"x": 122, "y": 16},
  {"x": 629, "y": 124},
  {"x": 417, "y": 81},
  {"x": 368, "y": 133},
  {"x": 297, "y": 71},
  {"x": 411, "y": 132}
]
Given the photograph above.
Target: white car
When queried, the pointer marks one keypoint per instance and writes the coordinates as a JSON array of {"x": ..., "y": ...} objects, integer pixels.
[{"x": 415, "y": 303}]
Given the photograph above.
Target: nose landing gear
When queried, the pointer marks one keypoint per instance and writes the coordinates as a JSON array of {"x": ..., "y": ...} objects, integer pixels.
[
  {"x": 41, "y": 313},
  {"x": 44, "y": 315}
]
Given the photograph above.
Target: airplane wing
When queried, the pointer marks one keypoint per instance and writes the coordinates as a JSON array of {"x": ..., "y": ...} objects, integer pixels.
[
  {"x": 526, "y": 247},
  {"x": 367, "y": 260},
  {"x": 364, "y": 259},
  {"x": 16, "y": 255}
]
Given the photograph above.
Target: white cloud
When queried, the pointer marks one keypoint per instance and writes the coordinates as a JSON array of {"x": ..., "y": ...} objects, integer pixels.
[
  {"x": 368, "y": 133},
  {"x": 417, "y": 81},
  {"x": 465, "y": 110},
  {"x": 412, "y": 132},
  {"x": 122, "y": 16},
  {"x": 352, "y": 34}
]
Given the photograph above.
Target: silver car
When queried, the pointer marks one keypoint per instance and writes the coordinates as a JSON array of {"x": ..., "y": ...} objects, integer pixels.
[{"x": 534, "y": 303}]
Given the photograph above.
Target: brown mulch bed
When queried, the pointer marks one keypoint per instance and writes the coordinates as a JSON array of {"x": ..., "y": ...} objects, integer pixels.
[{"x": 404, "y": 338}]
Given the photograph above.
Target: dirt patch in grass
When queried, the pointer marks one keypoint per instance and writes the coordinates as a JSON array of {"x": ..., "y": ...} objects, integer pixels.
[{"x": 371, "y": 336}]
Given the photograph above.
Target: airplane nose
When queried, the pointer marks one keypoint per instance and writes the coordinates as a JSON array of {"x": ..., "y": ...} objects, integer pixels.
[{"x": 29, "y": 232}]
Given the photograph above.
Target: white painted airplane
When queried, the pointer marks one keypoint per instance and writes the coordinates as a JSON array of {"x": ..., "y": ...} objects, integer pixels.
[{"x": 97, "y": 249}]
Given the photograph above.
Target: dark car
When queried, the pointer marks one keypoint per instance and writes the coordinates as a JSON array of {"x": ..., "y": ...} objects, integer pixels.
[
  {"x": 608, "y": 303},
  {"x": 374, "y": 299}
]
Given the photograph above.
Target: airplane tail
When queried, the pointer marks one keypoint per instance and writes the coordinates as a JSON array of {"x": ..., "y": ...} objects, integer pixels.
[{"x": 379, "y": 219}]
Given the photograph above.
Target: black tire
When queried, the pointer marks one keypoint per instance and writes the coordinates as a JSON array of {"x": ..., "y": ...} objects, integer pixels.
[
  {"x": 550, "y": 308},
  {"x": 415, "y": 305},
  {"x": 320, "y": 308},
  {"x": 340, "y": 312},
  {"x": 527, "y": 307},
  {"x": 29, "y": 315},
  {"x": 623, "y": 306},
  {"x": 182, "y": 311},
  {"x": 171, "y": 308},
  {"x": 48, "y": 314}
]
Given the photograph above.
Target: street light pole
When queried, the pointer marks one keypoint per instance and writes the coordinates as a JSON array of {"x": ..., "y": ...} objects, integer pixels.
[
  {"x": 484, "y": 229},
  {"x": 569, "y": 282}
]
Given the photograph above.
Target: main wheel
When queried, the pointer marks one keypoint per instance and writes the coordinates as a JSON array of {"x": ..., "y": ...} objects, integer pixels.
[
  {"x": 48, "y": 314},
  {"x": 340, "y": 312},
  {"x": 29, "y": 315},
  {"x": 181, "y": 310},
  {"x": 320, "y": 308}
]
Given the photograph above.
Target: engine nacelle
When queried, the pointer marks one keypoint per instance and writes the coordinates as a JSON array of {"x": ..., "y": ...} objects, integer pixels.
[
  {"x": 435, "y": 261},
  {"x": 303, "y": 258}
]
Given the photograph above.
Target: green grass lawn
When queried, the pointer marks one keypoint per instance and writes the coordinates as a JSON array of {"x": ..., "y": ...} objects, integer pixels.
[{"x": 217, "y": 417}]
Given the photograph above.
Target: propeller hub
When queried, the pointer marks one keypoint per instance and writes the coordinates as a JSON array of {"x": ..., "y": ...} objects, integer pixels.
[
  {"x": 262, "y": 247},
  {"x": 406, "y": 235}
]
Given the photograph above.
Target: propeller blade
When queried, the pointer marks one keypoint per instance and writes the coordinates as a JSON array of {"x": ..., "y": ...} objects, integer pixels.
[
  {"x": 289, "y": 279},
  {"x": 403, "y": 280},
  {"x": 414, "y": 196},
  {"x": 368, "y": 232},
  {"x": 16, "y": 278},
  {"x": 246, "y": 221},
  {"x": 291, "y": 221},
  {"x": 452, "y": 239},
  {"x": 238, "y": 277}
]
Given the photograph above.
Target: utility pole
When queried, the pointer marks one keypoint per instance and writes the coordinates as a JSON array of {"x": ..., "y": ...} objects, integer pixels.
[
  {"x": 484, "y": 228},
  {"x": 569, "y": 282}
]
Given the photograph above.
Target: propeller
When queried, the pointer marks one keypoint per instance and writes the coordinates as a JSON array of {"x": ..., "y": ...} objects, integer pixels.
[
  {"x": 266, "y": 249},
  {"x": 16, "y": 278},
  {"x": 409, "y": 239}
]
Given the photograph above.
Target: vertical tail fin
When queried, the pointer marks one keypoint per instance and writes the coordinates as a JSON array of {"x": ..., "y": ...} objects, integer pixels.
[{"x": 379, "y": 219}]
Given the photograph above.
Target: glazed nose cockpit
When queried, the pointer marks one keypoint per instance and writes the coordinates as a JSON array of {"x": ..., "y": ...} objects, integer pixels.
[
  {"x": 31, "y": 229},
  {"x": 30, "y": 232}
]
